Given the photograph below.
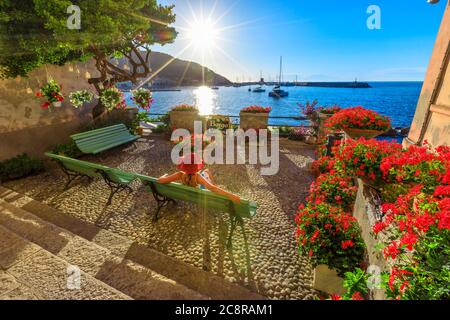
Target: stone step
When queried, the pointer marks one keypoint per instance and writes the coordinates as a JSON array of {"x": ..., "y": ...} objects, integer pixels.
[
  {"x": 30, "y": 272},
  {"x": 98, "y": 262},
  {"x": 136, "y": 255}
]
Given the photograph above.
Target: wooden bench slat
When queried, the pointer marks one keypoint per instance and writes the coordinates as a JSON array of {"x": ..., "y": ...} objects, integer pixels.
[
  {"x": 112, "y": 140},
  {"x": 98, "y": 131},
  {"x": 99, "y": 140}
]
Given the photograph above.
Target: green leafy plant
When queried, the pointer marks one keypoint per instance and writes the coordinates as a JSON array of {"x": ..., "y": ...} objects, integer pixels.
[
  {"x": 78, "y": 98},
  {"x": 140, "y": 117},
  {"x": 19, "y": 167},
  {"x": 356, "y": 281},
  {"x": 68, "y": 150}
]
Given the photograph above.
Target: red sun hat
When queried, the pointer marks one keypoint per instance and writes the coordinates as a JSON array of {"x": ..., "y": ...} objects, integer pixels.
[{"x": 191, "y": 163}]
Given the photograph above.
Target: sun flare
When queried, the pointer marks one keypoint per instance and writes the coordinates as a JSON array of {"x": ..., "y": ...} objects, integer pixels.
[{"x": 203, "y": 34}]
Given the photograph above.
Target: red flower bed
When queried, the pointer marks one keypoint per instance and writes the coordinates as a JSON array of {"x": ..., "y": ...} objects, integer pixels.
[
  {"x": 323, "y": 165},
  {"x": 364, "y": 157},
  {"x": 358, "y": 118},
  {"x": 257, "y": 109},
  {"x": 330, "y": 235},
  {"x": 418, "y": 165},
  {"x": 184, "y": 107},
  {"x": 418, "y": 226},
  {"x": 333, "y": 188}
]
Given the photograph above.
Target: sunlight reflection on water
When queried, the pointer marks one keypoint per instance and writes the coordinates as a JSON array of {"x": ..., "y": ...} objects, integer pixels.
[{"x": 206, "y": 100}]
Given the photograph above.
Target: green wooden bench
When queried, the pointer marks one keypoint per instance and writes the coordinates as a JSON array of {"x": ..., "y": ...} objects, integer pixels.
[
  {"x": 99, "y": 140},
  {"x": 117, "y": 180},
  {"x": 168, "y": 193}
]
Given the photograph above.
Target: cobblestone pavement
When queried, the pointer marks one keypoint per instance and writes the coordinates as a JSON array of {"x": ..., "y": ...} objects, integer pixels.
[{"x": 264, "y": 256}]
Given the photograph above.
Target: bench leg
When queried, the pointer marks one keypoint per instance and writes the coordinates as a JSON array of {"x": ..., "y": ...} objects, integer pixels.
[
  {"x": 162, "y": 202},
  {"x": 234, "y": 221},
  {"x": 115, "y": 189}
]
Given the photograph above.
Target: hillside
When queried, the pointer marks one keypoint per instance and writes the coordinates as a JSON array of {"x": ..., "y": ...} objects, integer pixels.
[{"x": 172, "y": 74}]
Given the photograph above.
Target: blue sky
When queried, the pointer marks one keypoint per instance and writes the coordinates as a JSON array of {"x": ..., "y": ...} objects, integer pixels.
[{"x": 320, "y": 40}]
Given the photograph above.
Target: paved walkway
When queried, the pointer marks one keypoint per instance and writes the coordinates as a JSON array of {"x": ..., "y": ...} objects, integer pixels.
[{"x": 264, "y": 257}]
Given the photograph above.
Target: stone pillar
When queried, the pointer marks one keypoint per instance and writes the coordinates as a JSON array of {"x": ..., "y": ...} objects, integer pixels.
[{"x": 432, "y": 118}]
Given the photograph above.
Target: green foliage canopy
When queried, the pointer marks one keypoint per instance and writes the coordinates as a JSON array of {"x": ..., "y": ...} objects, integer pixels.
[{"x": 35, "y": 32}]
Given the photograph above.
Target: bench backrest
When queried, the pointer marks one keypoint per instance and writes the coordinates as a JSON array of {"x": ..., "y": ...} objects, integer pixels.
[
  {"x": 101, "y": 139},
  {"x": 82, "y": 167},
  {"x": 203, "y": 198}
]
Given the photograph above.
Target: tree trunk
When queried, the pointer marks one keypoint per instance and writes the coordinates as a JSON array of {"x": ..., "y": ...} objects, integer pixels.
[{"x": 99, "y": 112}]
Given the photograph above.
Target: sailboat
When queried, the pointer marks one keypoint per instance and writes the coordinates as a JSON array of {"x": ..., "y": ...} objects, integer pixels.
[
  {"x": 260, "y": 88},
  {"x": 277, "y": 92}
]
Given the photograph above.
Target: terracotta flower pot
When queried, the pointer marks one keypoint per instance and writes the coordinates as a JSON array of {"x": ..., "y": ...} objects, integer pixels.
[
  {"x": 327, "y": 280},
  {"x": 183, "y": 119},
  {"x": 358, "y": 133},
  {"x": 254, "y": 120},
  {"x": 311, "y": 140}
]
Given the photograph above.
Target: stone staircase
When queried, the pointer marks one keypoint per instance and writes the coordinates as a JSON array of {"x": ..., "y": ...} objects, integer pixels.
[{"x": 38, "y": 243}]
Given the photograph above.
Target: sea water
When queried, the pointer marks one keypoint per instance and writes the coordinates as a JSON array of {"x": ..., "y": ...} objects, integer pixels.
[{"x": 398, "y": 100}]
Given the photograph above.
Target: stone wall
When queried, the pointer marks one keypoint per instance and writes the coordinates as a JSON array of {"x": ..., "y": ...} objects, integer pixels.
[
  {"x": 25, "y": 127},
  {"x": 366, "y": 212},
  {"x": 432, "y": 119}
]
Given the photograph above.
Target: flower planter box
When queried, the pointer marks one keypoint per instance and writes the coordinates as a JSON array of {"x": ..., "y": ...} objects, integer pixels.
[
  {"x": 358, "y": 133},
  {"x": 254, "y": 120},
  {"x": 326, "y": 280},
  {"x": 183, "y": 119}
]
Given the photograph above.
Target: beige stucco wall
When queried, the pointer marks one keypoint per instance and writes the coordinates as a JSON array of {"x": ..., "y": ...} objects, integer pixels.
[
  {"x": 432, "y": 119},
  {"x": 24, "y": 126}
]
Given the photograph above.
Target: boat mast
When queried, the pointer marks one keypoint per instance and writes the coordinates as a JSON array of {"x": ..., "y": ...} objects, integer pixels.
[{"x": 281, "y": 69}]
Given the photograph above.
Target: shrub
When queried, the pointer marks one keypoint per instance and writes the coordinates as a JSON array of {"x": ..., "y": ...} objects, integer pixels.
[
  {"x": 68, "y": 150},
  {"x": 358, "y": 118},
  {"x": 331, "y": 236},
  {"x": 257, "y": 109},
  {"x": 19, "y": 167}
]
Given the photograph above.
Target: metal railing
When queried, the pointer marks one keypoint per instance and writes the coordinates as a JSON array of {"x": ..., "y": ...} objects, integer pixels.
[{"x": 295, "y": 118}]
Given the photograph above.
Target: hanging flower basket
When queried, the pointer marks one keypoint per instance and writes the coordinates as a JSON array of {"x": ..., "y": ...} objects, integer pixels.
[
  {"x": 78, "y": 98},
  {"x": 112, "y": 98},
  {"x": 143, "y": 98},
  {"x": 52, "y": 92}
]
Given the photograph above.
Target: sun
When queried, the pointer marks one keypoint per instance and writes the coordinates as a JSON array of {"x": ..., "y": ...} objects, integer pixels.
[{"x": 203, "y": 34}]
